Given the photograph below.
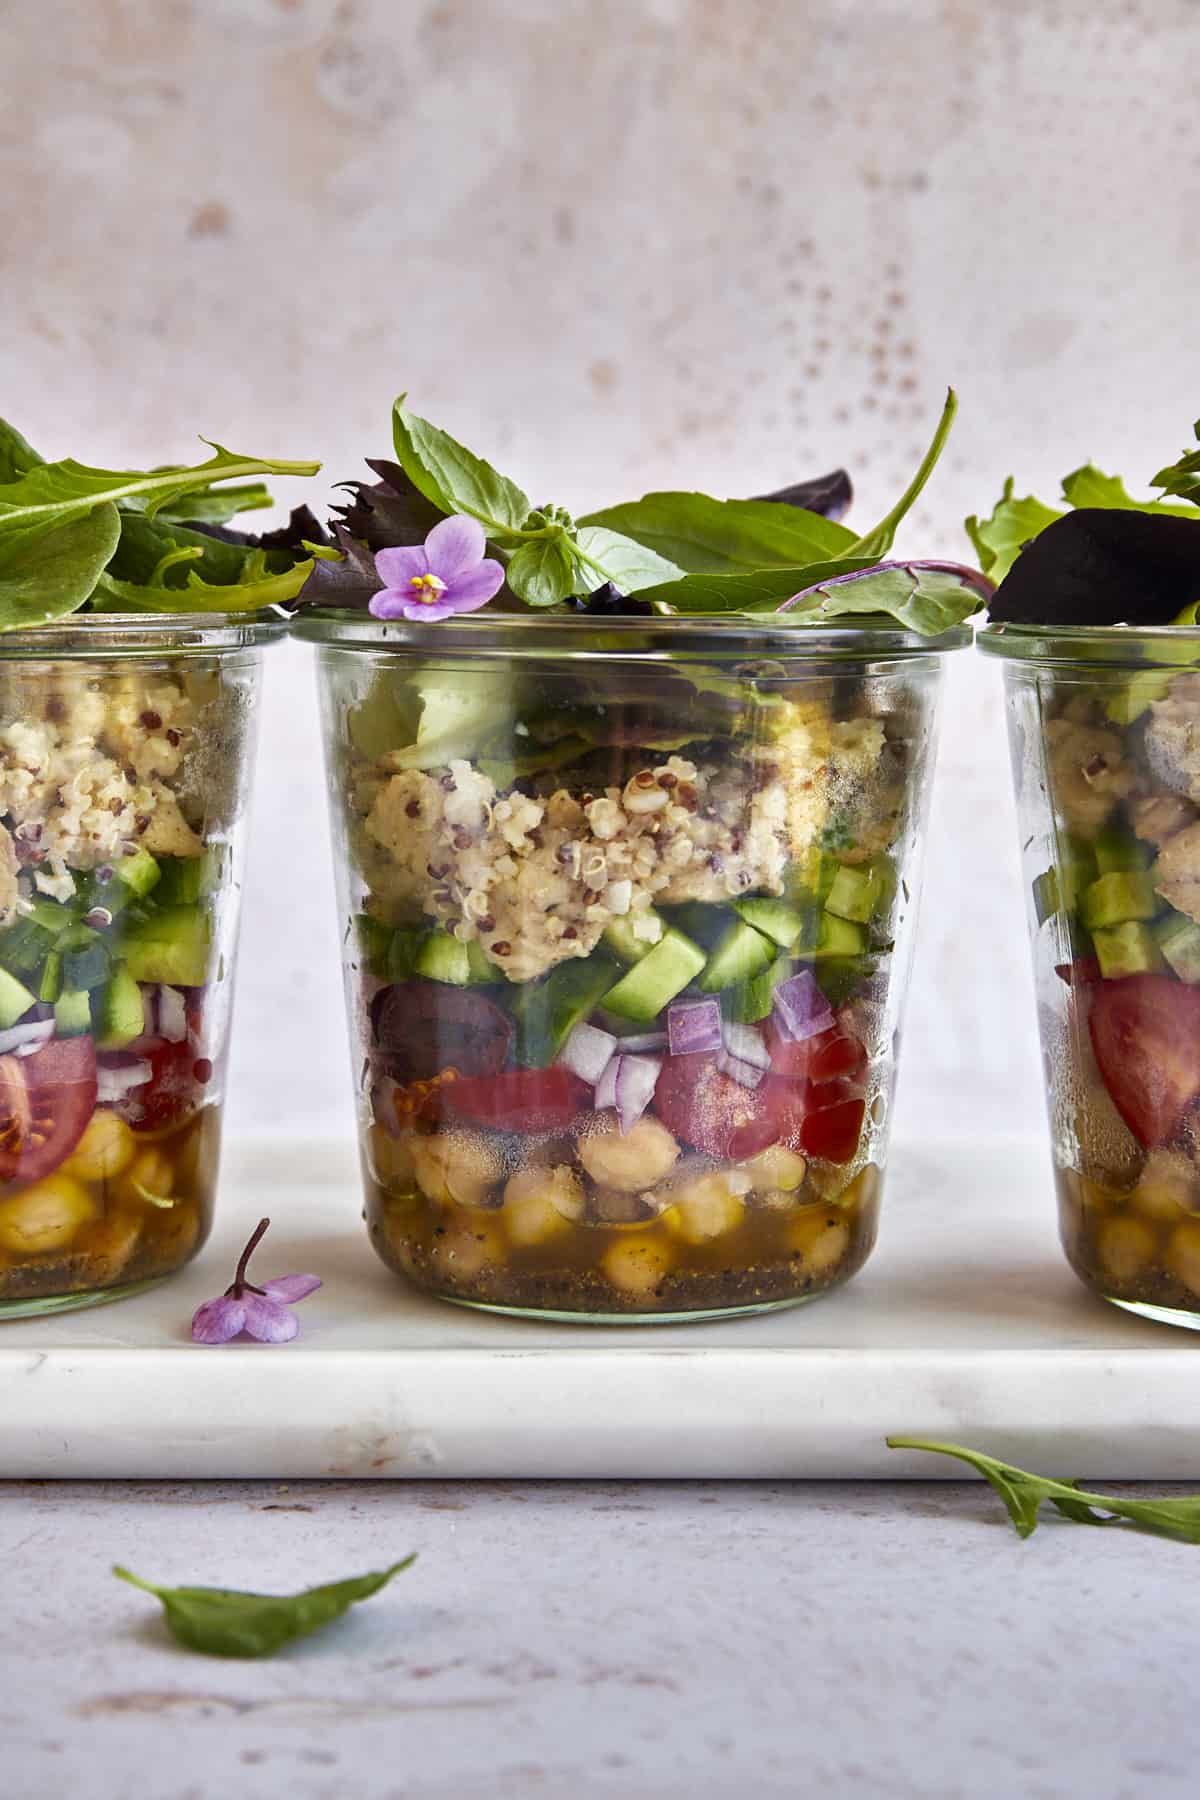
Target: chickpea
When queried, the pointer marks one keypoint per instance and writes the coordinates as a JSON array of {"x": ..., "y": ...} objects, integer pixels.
[
  {"x": 151, "y": 1173},
  {"x": 863, "y": 1190},
  {"x": 462, "y": 1166},
  {"x": 1169, "y": 1186},
  {"x": 541, "y": 1203},
  {"x": 1183, "y": 1255},
  {"x": 1125, "y": 1246},
  {"x": 46, "y": 1216},
  {"x": 105, "y": 1150},
  {"x": 819, "y": 1239},
  {"x": 774, "y": 1168},
  {"x": 468, "y": 1247},
  {"x": 391, "y": 1158},
  {"x": 635, "y": 1264},
  {"x": 631, "y": 1162},
  {"x": 705, "y": 1208}
]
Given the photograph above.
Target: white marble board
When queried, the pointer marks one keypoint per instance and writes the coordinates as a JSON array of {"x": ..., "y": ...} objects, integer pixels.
[{"x": 966, "y": 1324}]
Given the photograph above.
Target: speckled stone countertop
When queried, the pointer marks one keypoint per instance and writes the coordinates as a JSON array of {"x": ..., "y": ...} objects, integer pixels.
[{"x": 894, "y": 1642}]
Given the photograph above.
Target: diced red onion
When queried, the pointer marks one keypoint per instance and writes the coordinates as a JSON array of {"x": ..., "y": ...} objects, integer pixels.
[
  {"x": 172, "y": 1015},
  {"x": 116, "y": 1079},
  {"x": 24, "y": 1039},
  {"x": 744, "y": 1043},
  {"x": 744, "y": 1073},
  {"x": 645, "y": 1040},
  {"x": 606, "y": 1087},
  {"x": 588, "y": 1052},
  {"x": 801, "y": 1009},
  {"x": 693, "y": 1026},
  {"x": 637, "y": 1077}
]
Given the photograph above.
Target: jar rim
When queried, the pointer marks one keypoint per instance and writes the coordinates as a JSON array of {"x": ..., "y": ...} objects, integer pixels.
[
  {"x": 1127, "y": 646},
  {"x": 99, "y": 635},
  {"x": 729, "y": 634}
]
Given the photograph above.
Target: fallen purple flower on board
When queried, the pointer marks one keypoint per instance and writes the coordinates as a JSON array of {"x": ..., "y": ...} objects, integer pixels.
[{"x": 258, "y": 1312}]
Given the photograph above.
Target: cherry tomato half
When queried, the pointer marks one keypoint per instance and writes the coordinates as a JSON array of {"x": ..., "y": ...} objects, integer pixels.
[{"x": 46, "y": 1101}]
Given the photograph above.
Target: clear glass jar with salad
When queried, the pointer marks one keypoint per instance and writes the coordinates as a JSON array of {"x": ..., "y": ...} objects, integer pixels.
[
  {"x": 628, "y": 867},
  {"x": 1095, "y": 621},
  {"x": 127, "y": 712}
]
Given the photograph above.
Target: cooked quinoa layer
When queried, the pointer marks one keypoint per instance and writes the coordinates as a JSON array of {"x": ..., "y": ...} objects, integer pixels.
[{"x": 536, "y": 879}]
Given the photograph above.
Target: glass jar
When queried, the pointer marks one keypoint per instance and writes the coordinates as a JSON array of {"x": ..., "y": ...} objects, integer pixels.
[
  {"x": 1105, "y": 734},
  {"x": 627, "y": 908},
  {"x": 125, "y": 755}
]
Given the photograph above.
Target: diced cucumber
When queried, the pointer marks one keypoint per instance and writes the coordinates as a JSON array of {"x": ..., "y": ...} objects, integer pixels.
[
  {"x": 752, "y": 1000},
  {"x": 1179, "y": 940},
  {"x": 811, "y": 876},
  {"x": 50, "y": 985},
  {"x": 24, "y": 946},
  {"x": 1128, "y": 949},
  {"x": 546, "y": 1012},
  {"x": 171, "y": 945},
  {"x": 855, "y": 893},
  {"x": 440, "y": 956},
  {"x": 15, "y": 1000},
  {"x": 401, "y": 959},
  {"x": 374, "y": 940},
  {"x": 1114, "y": 898},
  {"x": 1136, "y": 695},
  {"x": 840, "y": 937},
  {"x": 701, "y": 920},
  {"x": 625, "y": 944},
  {"x": 1116, "y": 850},
  {"x": 788, "y": 926},
  {"x": 1047, "y": 895},
  {"x": 839, "y": 977},
  {"x": 481, "y": 968},
  {"x": 138, "y": 872},
  {"x": 119, "y": 1011},
  {"x": 53, "y": 917},
  {"x": 740, "y": 953},
  {"x": 73, "y": 1013},
  {"x": 648, "y": 987},
  {"x": 85, "y": 958}
]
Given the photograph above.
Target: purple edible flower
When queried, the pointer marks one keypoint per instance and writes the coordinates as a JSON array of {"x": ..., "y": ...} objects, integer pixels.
[
  {"x": 259, "y": 1312},
  {"x": 447, "y": 574}
]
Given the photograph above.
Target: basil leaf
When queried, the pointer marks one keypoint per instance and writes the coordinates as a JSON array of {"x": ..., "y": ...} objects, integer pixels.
[
  {"x": 542, "y": 572},
  {"x": 727, "y": 537},
  {"x": 51, "y": 493},
  {"x": 16, "y": 456},
  {"x": 46, "y": 574},
  {"x": 762, "y": 591},
  {"x": 228, "y": 1622},
  {"x": 926, "y": 597},
  {"x": 452, "y": 477},
  {"x": 605, "y": 555},
  {"x": 1024, "y": 1494},
  {"x": 876, "y": 544},
  {"x": 1000, "y": 539}
]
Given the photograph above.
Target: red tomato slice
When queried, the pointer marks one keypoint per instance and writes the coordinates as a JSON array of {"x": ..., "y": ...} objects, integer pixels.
[
  {"x": 826, "y": 1057},
  {"x": 1146, "y": 1035},
  {"x": 832, "y": 1132},
  {"x": 712, "y": 1112},
  {"x": 175, "y": 1087},
  {"x": 46, "y": 1101},
  {"x": 1083, "y": 972},
  {"x": 525, "y": 1100}
]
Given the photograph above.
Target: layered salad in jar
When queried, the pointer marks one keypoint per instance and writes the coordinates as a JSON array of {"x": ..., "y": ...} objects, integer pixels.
[
  {"x": 620, "y": 910},
  {"x": 124, "y": 749},
  {"x": 1098, "y": 616}
]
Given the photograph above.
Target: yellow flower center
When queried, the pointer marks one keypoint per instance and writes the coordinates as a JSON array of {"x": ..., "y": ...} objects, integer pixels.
[{"x": 429, "y": 588}]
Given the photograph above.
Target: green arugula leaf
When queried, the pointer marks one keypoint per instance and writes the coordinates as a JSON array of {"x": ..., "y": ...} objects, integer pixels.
[
  {"x": 1024, "y": 1494},
  {"x": 1182, "y": 477},
  {"x": 16, "y": 456},
  {"x": 257, "y": 586},
  {"x": 453, "y": 478},
  {"x": 874, "y": 545},
  {"x": 762, "y": 591},
  {"x": 1089, "y": 486},
  {"x": 218, "y": 505},
  {"x": 999, "y": 540},
  {"x": 542, "y": 572},
  {"x": 51, "y": 493},
  {"x": 603, "y": 555},
  {"x": 725, "y": 537},
  {"x": 925, "y": 597},
  {"x": 49, "y": 573},
  {"x": 228, "y": 1622}
]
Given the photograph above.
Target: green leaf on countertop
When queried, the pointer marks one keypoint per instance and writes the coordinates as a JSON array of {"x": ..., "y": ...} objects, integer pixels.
[
  {"x": 610, "y": 556},
  {"x": 47, "y": 574},
  {"x": 229, "y": 1622},
  {"x": 999, "y": 540},
  {"x": 1024, "y": 1494},
  {"x": 53, "y": 492},
  {"x": 453, "y": 478},
  {"x": 542, "y": 572},
  {"x": 874, "y": 545},
  {"x": 725, "y": 537},
  {"x": 16, "y": 455}
]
